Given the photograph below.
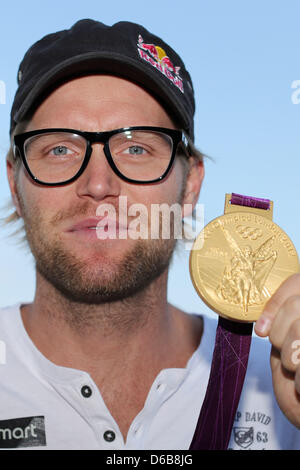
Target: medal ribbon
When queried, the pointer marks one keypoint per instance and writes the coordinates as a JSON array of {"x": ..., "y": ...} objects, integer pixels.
[{"x": 227, "y": 373}]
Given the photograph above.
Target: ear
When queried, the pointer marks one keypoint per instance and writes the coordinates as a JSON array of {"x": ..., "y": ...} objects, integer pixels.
[
  {"x": 13, "y": 186},
  {"x": 193, "y": 186}
]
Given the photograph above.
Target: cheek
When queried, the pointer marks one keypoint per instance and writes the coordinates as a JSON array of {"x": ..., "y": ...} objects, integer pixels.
[
  {"x": 168, "y": 191},
  {"x": 36, "y": 200},
  {"x": 157, "y": 207}
]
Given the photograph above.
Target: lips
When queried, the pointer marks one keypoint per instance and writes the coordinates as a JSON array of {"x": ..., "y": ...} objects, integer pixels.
[
  {"x": 92, "y": 224},
  {"x": 88, "y": 224}
]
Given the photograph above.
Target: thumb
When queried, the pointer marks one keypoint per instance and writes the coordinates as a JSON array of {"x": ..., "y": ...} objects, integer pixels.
[{"x": 288, "y": 288}]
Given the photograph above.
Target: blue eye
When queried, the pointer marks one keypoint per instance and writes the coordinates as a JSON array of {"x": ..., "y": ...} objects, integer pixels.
[
  {"x": 136, "y": 150},
  {"x": 61, "y": 150}
]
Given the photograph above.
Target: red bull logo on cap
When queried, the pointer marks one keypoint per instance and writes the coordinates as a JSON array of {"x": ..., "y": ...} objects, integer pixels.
[{"x": 158, "y": 58}]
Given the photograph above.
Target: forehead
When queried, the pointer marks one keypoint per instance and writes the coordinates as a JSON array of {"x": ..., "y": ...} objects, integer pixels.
[{"x": 100, "y": 100}]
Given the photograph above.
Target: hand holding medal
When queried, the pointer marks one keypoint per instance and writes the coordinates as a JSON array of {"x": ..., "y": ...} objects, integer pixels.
[{"x": 237, "y": 263}]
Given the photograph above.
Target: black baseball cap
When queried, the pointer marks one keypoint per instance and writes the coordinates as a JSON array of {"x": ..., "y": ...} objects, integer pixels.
[{"x": 125, "y": 49}]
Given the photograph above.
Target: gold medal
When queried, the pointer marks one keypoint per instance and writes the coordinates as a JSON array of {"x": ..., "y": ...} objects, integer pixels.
[{"x": 240, "y": 259}]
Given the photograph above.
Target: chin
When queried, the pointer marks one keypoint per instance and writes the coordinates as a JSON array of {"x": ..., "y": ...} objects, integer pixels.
[{"x": 100, "y": 277}]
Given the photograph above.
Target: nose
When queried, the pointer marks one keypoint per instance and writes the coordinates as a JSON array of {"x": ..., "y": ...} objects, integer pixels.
[{"x": 98, "y": 180}]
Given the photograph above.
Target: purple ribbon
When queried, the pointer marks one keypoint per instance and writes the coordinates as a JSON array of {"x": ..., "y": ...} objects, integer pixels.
[
  {"x": 257, "y": 203},
  {"x": 228, "y": 370}
]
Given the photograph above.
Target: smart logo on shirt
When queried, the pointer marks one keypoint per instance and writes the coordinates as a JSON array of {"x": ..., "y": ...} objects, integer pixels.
[{"x": 22, "y": 432}]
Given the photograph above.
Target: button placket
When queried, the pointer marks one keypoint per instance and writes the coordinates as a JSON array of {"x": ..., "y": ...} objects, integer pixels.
[{"x": 107, "y": 435}]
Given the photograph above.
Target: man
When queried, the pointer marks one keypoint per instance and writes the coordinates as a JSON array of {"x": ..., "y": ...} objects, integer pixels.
[{"x": 100, "y": 359}]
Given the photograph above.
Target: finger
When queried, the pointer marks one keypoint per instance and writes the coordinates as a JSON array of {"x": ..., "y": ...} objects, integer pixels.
[
  {"x": 283, "y": 322},
  {"x": 288, "y": 288},
  {"x": 290, "y": 351},
  {"x": 286, "y": 388},
  {"x": 297, "y": 380}
]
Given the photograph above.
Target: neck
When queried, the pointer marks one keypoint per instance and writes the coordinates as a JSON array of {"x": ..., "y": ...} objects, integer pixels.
[{"x": 77, "y": 335}]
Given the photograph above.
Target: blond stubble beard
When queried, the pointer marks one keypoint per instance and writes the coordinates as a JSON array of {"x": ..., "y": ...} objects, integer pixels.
[{"x": 81, "y": 288}]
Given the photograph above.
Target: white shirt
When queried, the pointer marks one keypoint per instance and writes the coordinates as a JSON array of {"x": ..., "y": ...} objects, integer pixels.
[{"x": 45, "y": 406}]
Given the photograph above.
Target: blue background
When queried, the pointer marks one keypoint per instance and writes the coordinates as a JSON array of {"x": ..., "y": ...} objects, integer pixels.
[{"x": 243, "y": 57}]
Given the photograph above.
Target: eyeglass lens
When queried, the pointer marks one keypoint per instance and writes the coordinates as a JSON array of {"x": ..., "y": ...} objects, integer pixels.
[{"x": 56, "y": 157}]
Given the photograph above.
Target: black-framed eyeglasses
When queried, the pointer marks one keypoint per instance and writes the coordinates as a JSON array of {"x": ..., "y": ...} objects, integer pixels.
[{"x": 142, "y": 154}]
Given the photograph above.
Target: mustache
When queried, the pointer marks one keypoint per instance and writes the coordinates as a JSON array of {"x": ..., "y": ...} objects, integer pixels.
[{"x": 85, "y": 209}]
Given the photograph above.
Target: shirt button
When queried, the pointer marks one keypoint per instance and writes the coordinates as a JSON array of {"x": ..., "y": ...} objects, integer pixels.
[
  {"x": 109, "y": 436},
  {"x": 86, "y": 391}
]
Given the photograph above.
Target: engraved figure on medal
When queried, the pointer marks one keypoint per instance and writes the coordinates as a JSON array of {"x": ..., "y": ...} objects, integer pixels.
[{"x": 243, "y": 281}]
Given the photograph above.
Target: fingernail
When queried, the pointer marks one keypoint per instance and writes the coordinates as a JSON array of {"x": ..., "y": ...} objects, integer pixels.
[{"x": 262, "y": 326}]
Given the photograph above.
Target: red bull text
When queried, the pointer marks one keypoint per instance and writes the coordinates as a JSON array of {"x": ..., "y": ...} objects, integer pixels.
[{"x": 157, "y": 57}]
